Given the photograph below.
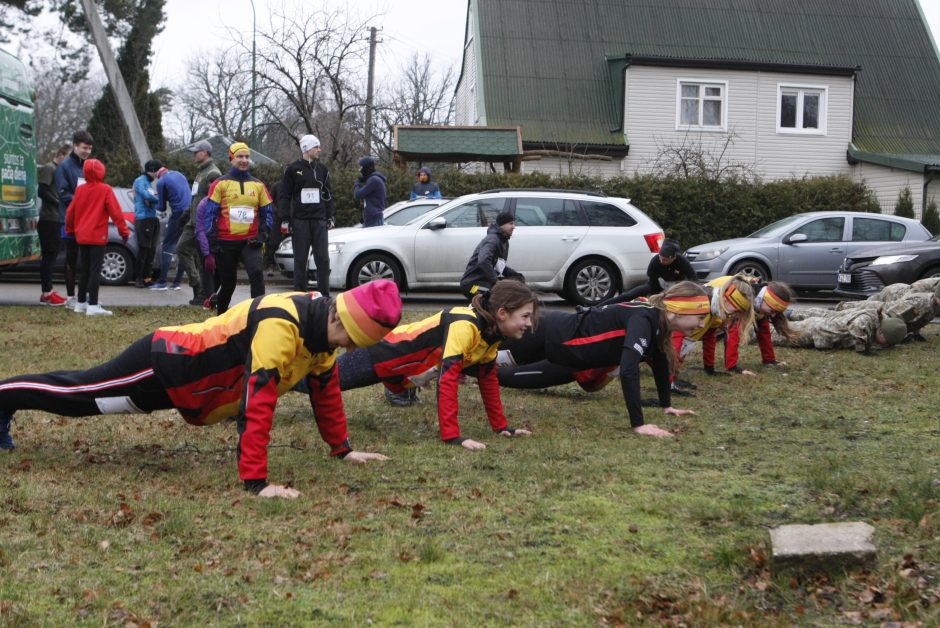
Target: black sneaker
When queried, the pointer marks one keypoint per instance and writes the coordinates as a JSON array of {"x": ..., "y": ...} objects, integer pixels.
[
  {"x": 679, "y": 392},
  {"x": 6, "y": 441},
  {"x": 684, "y": 383},
  {"x": 406, "y": 398}
]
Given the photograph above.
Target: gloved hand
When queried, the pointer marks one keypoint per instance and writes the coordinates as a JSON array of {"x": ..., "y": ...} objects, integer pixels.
[
  {"x": 209, "y": 264},
  {"x": 255, "y": 243},
  {"x": 330, "y": 223}
]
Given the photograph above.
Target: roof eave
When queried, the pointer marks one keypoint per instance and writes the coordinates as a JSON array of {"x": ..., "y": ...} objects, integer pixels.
[{"x": 854, "y": 155}]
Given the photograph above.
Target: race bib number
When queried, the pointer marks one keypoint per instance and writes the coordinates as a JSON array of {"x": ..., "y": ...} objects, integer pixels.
[
  {"x": 310, "y": 195},
  {"x": 241, "y": 214},
  {"x": 500, "y": 266},
  {"x": 195, "y": 189},
  {"x": 80, "y": 182}
]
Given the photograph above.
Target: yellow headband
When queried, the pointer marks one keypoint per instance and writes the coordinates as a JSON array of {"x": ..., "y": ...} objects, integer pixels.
[
  {"x": 236, "y": 147},
  {"x": 694, "y": 305},
  {"x": 776, "y": 303},
  {"x": 736, "y": 299}
]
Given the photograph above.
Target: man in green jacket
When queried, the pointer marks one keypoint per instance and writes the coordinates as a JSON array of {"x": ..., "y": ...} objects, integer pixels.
[{"x": 202, "y": 283}]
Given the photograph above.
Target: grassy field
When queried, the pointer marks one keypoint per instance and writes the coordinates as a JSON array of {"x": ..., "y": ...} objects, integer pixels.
[{"x": 137, "y": 520}]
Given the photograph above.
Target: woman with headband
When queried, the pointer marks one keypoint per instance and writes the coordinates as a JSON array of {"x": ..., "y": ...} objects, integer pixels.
[
  {"x": 591, "y": 345},
  {"x": 732, "y": 302},
  {"x": 771, "y": 301}
]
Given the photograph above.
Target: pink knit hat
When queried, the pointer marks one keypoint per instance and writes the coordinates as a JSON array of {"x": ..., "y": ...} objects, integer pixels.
[{"x": 369, "y": 311}]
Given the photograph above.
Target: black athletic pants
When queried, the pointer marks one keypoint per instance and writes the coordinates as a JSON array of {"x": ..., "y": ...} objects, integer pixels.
[
  {"x": 89, "y": 277},
  {"x": 230, "y": 251},
  {"x": 304, "y": 234},
  {"x": 50, "y": 243},
  {"x": 122, "y": 385}
]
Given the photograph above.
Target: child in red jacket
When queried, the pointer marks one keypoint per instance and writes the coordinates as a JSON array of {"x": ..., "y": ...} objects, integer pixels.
[{"x": 86, "y": 219}]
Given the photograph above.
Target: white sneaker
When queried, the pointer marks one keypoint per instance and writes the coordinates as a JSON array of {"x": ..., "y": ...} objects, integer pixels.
[
  {"x": 80, "y": 307},
  {"x": 70, "y": 303},
  {"x": 97, "y": 310}
]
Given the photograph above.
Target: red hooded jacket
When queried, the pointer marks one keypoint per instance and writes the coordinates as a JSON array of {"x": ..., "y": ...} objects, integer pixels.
[{"x": 87, "y": 215}]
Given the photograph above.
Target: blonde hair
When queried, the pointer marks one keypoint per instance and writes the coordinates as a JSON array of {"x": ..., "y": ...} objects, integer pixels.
[
  {"x": 664, "y": 338},
  {"x": 742, "y": 284}
]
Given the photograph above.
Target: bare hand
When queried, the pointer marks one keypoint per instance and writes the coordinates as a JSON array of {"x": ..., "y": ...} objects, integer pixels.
[
  {"x": 276, "y": 490},
  {"x": 651, "y": 430},
  {"x": 749, "y": 373},
  {"x": 519, "y": 431},
  {"x": 472, "y": 444},
  {"x": 678, "y": 411},
  {"x": 362, "y": 457}
]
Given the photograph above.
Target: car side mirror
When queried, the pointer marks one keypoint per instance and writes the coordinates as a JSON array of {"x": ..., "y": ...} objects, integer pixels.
[
  {"x": 796, "y": 237},
  {"x": 436, "y": 224}
]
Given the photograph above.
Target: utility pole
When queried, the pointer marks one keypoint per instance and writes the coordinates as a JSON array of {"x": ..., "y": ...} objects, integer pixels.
[
  {"x": 372, "y": 42},
  {"x": 116, "y": 81}
]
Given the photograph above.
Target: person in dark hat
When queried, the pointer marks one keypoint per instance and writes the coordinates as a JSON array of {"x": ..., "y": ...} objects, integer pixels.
[
  {"x": 667, "y": 267},
  {"x": 488, "y": 265},
  {"x": 234, "y": 365},
  {"x": 371, "y": 189}
]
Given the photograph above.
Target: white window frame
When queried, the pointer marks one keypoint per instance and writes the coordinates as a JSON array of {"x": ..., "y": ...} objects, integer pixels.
[
  {"x": 802, "y": 89},
  {"x": 702, "y": 83}
]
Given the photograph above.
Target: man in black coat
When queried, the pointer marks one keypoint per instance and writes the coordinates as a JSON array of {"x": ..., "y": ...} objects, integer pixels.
[
  {"x": 488, "y": 265},
  {"x": 306, "y": 197},
  {"x": 666, "y": 268}
]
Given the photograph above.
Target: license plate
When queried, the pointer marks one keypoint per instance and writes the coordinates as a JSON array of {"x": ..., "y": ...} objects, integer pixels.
[{"x": 845, "y": 278}]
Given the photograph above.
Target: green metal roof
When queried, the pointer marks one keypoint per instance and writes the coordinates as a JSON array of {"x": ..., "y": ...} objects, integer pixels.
[
  {"x": 452, "y": 142},
  {"x": 554, "y": 67}
]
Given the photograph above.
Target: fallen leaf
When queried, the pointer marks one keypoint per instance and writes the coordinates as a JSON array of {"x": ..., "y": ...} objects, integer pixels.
[{"x": 417, "y": 511}]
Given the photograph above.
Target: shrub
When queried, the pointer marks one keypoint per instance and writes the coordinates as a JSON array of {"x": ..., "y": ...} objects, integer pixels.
[
  {"x": 905, "y": 205},
  {"x": 931, "y": 219}
]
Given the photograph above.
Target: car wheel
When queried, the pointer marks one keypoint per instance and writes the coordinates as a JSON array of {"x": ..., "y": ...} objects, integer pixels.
[
  {"x": 591, "y": 281},
  {"x": 117, "y": 267},
  {"x": 752, "y": 268},
  {"x": 933, "y": 271},
  {"x": 376, "y": 266}
]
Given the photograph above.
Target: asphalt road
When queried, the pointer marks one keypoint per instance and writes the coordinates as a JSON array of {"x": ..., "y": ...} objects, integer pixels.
[{"x": 24, "y": 290}]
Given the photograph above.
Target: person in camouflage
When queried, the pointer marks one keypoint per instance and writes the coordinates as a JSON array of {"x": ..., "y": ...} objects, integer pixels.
[
  {"x": 916, "y": 304},
  {"x": 858, "y": 329}
]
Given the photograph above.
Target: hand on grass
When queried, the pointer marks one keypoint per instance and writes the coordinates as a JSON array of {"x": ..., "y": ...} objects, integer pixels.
[
  {"x": 749, "y": 373},
  {"x": 362, "y": 457},
  {"x": 472, "y": 444},
  {"x": 678, "y": 411},
  {"x": 519, "y": 431},
  {"x": 276, "y": 490},
  {"x": 651, "y": 430}
]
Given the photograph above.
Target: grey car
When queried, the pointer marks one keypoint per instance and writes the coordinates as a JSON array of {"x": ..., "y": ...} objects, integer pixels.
[{"x": 803, "y": 250}]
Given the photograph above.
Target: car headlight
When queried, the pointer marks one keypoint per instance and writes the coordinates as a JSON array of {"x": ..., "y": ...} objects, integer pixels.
[
  {"x": 893, "y": 259},
  {"x": 335, "y": 247},
  {"x": 710, "y": 254}
]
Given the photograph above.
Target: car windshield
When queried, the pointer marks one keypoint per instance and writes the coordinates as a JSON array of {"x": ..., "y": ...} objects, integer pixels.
[
  {"x": 408, "y": 214},
  {"x": 776, "y": 227},
  {"x": 936, "y": 238}
]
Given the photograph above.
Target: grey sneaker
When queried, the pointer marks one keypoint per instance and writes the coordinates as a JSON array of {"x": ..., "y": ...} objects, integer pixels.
[
  {"x": 97, "y": 310},
  {"x": 80, "y": 308},
  {"x": 407, "y": 398}
]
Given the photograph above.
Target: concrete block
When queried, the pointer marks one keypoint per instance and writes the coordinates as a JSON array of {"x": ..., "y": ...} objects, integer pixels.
[{"x": 822, "y": 547}]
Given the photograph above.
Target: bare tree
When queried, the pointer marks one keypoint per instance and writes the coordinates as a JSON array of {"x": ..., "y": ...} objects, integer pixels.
[
  {"x": 309, "y": 69},
  {"x": 216, "y": 95},
  {"x": 419, "y": 97},
  {"x": 691, "y": 158},
  {"x": 62, "y": 107}
]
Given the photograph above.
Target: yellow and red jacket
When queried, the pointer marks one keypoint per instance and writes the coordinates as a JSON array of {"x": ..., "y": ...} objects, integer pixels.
[
  {"x": 454, "y": 338},
  {"x": 239, "y": 207},
  {"x": 239, "y": 363}
]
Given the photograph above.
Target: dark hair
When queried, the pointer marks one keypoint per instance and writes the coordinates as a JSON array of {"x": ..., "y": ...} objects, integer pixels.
[
  {"x": 64, "y": 150},
  {"x": 81, "y": 137},
  {"x": 509, "y": 294},
  {"x": 778, "y": 319}
]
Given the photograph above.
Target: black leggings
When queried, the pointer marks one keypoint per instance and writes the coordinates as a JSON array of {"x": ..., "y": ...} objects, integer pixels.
[
  {"x": 90, "y": 275},
  {"x": 122, "y": 385},
  {"x": 230, "y": 251},
  {"x": 50, "y": 243},
  {"x": 355, "y": 370},
  {"x": 71, "y": 264},
  {"x": 148, "y": 233}
]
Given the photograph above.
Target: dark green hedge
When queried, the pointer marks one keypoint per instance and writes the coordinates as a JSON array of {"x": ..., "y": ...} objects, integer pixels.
[{"x": 693, "y": 210}]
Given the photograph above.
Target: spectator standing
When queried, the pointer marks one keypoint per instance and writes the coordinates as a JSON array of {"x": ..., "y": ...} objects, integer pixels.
[
  {"x": 306, "y": 197},
  {"x": 146, "y": 222},
  {"x": 187, "y": 251},
  {"x": 49, "y": 227},
  {"x": 488, "y": 265},
  {"x": 86, "y": 220},
  {"x": 425, "y": 188},
  {"x": 69, "y": 176},
  {"x": 173, "y": 190},
  {"x": 371, "y": 189},
  {"x": 234, "y": 225}
]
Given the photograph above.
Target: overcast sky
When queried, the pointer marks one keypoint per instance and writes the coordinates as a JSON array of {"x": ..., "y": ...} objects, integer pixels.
[{"x": 408, "y": 26}]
